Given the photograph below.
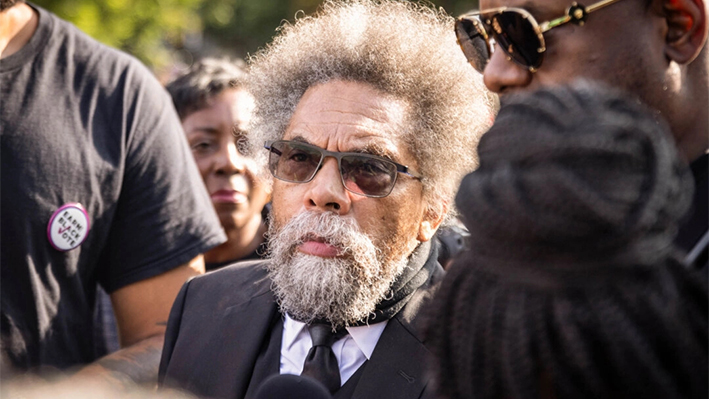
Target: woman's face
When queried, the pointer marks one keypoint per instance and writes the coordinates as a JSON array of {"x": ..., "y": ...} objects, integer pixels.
[{"x": 215, "y": 135}]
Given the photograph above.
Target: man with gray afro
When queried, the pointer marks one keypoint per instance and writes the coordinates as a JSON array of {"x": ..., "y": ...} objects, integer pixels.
[
  {"x": 370, "y": 117},
  {"x": 398, "y": 48}
]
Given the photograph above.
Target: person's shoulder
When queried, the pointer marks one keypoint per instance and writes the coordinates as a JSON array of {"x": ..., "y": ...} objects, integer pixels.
[
  {"x": 89, "y": 54},
  {"x": 75, "y": 40},
  {"x": 242, "y": 268},
  {"x": 224, "y": 288},
  {"x": 244, "y": 276}
]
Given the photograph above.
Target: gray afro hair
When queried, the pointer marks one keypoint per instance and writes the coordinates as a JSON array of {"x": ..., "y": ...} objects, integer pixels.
[{"x": 404, "y": 49}]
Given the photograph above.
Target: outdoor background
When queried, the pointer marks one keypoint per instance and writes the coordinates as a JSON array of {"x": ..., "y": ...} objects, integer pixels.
[{"x": 167, "y": 35}]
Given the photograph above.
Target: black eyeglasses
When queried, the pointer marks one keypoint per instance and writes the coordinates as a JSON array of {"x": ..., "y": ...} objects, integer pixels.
[
  {"x": 363, "y": 174},
  {"x": 516, "y": 32}
]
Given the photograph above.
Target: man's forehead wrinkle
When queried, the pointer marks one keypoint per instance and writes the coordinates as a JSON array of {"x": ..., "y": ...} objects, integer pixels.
[
  {"x": 379, "y": 113},
  {"x": 369, "y": 142},
  {"x": 356, "y": 128},
  {"x": 358, "y": 124},
  {"x": 377, "y": 109},
  {"x": 352, "y": 117}
]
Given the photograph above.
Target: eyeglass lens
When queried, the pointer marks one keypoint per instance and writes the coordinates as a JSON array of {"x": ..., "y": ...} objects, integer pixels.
[
  {"x": 471, "y": 37},
  {"x": 361, "y": 173},
  {"x": 509, "y": 29},
  {"x": 517, "y": 37}
]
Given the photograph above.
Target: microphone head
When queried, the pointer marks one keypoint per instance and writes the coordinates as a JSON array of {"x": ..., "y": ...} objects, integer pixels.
[{"x": 288, "y": 386}]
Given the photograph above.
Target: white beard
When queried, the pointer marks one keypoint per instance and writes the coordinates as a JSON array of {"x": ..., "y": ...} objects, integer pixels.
[{"x": 341, "y": 290}]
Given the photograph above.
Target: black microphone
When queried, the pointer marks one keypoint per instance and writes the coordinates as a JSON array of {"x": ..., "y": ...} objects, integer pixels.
[{"x": 288, "y": 386}]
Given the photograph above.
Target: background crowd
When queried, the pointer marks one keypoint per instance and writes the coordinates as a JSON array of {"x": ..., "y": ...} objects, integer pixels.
[{"x": 361, "y": 220}]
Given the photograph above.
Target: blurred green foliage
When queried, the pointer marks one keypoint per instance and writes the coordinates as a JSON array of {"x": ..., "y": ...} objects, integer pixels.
[
  {"x": 166, "y": 32},
  {"x": 148, "y": 29}
]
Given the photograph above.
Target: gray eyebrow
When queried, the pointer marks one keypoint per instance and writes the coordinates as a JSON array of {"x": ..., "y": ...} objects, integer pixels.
[
  {"x": 302, "y": 140},
  {"x": 374, "y": 149},
  {"x": 369, "y": 148}
]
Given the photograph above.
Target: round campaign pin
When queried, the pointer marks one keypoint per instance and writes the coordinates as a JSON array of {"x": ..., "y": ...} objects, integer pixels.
[{"x": 68, "y": 227}]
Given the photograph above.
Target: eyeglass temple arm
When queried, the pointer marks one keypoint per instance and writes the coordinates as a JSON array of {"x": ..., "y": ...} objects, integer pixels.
[
  {"x": 578, "y": 8},
  {"x": 269, "y": 147},
  {"x": 405, "y": 170},
  {"x": 599, "y": 5}
]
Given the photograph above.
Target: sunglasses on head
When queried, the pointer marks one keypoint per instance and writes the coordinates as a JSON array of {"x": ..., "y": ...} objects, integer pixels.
[
  {"x": 516, "y": 32},
  {"x": 363, "y": 174}
]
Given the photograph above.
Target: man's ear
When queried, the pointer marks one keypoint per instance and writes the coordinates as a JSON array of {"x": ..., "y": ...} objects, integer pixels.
[
  {"x": 432, "y": 218},
  {"x": 686, "y": 29}
]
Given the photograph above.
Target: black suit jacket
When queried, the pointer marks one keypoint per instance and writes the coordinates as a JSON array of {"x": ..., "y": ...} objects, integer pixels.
[{"x": 220, "y": 321}]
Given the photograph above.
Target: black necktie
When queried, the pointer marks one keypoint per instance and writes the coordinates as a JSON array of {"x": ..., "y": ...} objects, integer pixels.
[{"x": 321, "y": 362}]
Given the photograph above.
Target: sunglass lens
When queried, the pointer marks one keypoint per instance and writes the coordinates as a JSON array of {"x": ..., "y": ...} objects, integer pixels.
[
  {"x": 471, "y": 37},
  {"x": 293, "y": 162},
  {"x": 516, "y": 36},
  {"x": 368, "y": 176}
]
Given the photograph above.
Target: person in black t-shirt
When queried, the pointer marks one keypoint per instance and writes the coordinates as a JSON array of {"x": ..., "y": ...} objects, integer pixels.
[
  {"x": 98, "y": 187},
  {"x": 215, "y": 109}
]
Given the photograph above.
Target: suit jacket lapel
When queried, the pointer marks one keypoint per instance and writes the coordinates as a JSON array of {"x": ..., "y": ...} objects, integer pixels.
[
  {"x": 397, "y": 368},
  {"x": 243, "y": 330},
  {"x": 213, "y": 355}
]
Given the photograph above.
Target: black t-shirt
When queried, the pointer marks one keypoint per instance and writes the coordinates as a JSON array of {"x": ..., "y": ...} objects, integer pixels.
[
  {"x": 259, "y": 253},
  {"x": 697, "y": 221},
  {"x": 84, "y": 124}
]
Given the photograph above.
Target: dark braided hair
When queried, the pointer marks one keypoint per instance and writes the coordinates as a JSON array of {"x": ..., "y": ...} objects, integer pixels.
[
  {"x": 205, "y": 80},
  {"x": 572, "y": 287}
]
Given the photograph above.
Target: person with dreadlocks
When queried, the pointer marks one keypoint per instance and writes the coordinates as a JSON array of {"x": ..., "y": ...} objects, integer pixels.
[{"x": 572, "y": 287}]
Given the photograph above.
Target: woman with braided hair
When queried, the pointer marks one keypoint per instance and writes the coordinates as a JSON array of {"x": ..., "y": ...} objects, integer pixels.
[{"x": 572, "y": 287}]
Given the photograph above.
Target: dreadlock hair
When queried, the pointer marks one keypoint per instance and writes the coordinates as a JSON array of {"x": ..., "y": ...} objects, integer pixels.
[{"x": 571, "y": 287}]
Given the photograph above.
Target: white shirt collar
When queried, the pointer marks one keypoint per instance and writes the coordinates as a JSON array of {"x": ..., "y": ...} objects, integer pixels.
[
  {"x": 291, "y": 329},
  {"x": 365, "y": 337}
]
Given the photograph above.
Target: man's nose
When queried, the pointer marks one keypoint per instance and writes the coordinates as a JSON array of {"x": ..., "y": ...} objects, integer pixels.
[
  {"x": 501, "y": 73},
  {"x": 229, "y": 161},
  {"x": 326, "y": 192}
]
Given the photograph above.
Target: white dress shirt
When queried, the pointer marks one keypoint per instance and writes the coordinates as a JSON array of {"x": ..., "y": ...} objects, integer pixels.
[{"x": 351, "y": 351}]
